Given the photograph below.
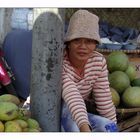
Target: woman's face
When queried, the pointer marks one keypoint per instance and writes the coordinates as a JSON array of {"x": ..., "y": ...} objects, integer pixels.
[{"x": 81, "y": 48}]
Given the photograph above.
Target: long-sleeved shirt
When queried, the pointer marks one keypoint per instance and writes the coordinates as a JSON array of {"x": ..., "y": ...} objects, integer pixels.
[{"x": 77, "y": 88}]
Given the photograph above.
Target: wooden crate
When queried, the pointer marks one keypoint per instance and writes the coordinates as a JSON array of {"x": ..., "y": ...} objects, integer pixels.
[{"x": 130, "y": 119}]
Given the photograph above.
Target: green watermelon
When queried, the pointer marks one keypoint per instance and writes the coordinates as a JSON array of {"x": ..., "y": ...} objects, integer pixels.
[
  {"x": 119, "y": 81},
  {"x": 131, "y": 72},
  {"x": 117, "y": 61},
  {"x": 136, "y": 82},
  {"x": 131, "y": 97},
  {"x": 115, "y": 97}
]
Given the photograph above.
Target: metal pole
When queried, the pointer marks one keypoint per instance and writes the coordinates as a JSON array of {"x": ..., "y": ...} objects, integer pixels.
[{"x": 47, "y": 51}]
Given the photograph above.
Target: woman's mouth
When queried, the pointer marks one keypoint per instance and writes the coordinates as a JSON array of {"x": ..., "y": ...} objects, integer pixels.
[{"x": 82, "y": 53}]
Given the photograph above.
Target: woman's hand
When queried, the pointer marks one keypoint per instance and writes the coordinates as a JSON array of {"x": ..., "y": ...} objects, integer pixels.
[{"x": 85, "y": 128}]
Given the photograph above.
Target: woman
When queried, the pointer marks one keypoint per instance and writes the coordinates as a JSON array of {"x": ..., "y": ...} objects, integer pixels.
[{"x": 85, "y": 71}]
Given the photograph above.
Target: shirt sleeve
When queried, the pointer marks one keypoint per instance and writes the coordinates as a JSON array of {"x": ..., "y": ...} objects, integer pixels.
[
  {"x": 74, "y": 100},
  {"x": 102, "y": 95}
]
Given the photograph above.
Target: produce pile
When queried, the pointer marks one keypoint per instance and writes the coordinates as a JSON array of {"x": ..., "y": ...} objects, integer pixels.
[
  {"x": 124, "y": 85},
  {"x": 14, "y": 118}
]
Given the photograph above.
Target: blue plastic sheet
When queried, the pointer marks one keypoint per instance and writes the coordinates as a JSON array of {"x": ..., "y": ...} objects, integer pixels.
[{"x": 17, "y": 50}]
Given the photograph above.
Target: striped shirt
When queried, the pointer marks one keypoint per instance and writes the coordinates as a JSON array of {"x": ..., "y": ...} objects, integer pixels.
[{"x": 77, "y": 88}]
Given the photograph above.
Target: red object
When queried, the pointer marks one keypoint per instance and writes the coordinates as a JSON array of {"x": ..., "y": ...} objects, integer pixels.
[{"x": 4, "y": 77}]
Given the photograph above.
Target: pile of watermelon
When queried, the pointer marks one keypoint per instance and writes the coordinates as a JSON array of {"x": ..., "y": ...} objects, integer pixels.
[{"x": 124, "y": 85}]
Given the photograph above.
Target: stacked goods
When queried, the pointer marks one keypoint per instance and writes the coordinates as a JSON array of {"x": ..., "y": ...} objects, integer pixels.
[
  {"x": 119, "y": 81},
  {"x": 117, "y": 61},
  {"x": 131, "y": 72},
  {"x": 131, "y": 97},
  {"x": 115, "y": 97},
  {"x": 123, "y": 81},
  {"x": 136, "y": 82},
  {"x": 15, "y": 119}
]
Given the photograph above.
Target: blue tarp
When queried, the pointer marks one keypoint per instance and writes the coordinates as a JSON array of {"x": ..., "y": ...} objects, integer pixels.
[
  {"x": 115, "y": 33},
  {"x": 17, "y": 48}
]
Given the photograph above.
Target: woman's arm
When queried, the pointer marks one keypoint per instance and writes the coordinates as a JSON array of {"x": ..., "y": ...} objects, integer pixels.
[
  {"x": 75, "y": 102},
  {"x": 102, "y": 94},
  {"x": 85, "y": 128}
]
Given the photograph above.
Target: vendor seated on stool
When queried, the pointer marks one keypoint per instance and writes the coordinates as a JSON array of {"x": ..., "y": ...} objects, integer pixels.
[{"x": 85, "y": 71}]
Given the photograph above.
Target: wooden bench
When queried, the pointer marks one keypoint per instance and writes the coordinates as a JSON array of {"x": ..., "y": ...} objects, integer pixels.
[{"x": 128, "y": 119}]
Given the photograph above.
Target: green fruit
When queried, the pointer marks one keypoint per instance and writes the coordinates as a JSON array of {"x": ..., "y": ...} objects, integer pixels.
[
  {"x": 30, "y": 130},
  {"x": 117, "y": 61},
  {"x": 12, "y": 126},
  {"x": 22, "y": 123},
  {"x": 131, "y": 72},
  {"x": 9, "y": 98},
  {"x": 23, "y": 114},
  {"x": 119, "y": 81},
  {"x": 1, "y": 127},
  {"x": 33, "y": 130},
  {"x": 131, "y": 97},
  {"x": 25, "y": 129},
  {"x": 32, "y": 123},
  {"x": 8, "y": 111},
  {"x": 115, "y": 97},
  {"x": 136, "y": 82}
]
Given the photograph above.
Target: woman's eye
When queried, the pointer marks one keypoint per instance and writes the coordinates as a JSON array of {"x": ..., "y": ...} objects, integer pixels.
[
  {"x": 76, "y": 41},
  {"x": 91, "y": 41}
]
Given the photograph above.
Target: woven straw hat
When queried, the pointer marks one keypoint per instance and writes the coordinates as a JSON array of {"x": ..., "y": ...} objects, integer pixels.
[{"x": 83, "y": 24}]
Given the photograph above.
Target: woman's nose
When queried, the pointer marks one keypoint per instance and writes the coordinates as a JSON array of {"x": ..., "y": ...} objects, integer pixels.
[{"x": 83, "y": 44}]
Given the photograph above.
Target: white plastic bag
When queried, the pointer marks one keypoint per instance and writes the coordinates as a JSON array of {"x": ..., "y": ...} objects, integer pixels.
[{"x": 26, "y": 104}]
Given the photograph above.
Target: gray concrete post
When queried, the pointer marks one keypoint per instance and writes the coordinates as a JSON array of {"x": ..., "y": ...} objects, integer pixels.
[
  {"x": 47, "y": 51},
  {"x": 5, "y": 22}
]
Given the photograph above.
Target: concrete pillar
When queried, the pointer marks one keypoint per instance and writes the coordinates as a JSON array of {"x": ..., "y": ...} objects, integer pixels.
[
  {"x": 47, "y": 51},
  {"x": 5, "y": 22},
  {"x": 38, "y": 11}
]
